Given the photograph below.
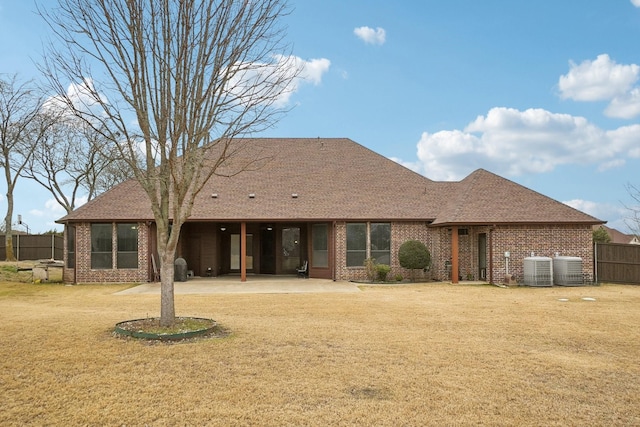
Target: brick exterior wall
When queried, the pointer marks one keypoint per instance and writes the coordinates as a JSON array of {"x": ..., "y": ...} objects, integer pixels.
[
  {"x": 519, "y": 240},
  {"x": 400, "y": 233},
  {"x": 83, "y": 273},
  {"x": 546, "y": 240}
]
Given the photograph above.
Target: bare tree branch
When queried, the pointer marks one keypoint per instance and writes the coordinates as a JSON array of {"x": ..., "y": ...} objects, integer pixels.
[{"x": 633, "y": 220}]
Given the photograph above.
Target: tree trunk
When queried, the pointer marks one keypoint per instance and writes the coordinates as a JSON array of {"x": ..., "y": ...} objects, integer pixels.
[
  {"x": 10, "y": 256},
  {"x": 167, "y": 246},
  {"x": 167, "y": 306}
]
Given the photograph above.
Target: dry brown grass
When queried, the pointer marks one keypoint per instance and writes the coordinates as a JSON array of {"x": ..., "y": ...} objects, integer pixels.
[{"x": 419, "y": 355}]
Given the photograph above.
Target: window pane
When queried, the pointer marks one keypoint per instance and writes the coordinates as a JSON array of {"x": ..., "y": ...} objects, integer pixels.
[
  {"x": 356, "y": 237},
  {"x": 127, "y": 237},
  {"x": 320, "y": 246},
  {"x": 101, "y": 260},
  {"x": 101, "y": 246},
  {"x": 127, "y": 246},
  {"x": 381, "y": 243},
  {"x": 356, "y": 244},
  {"x": 71, "y": 246},
  {"x": 127, "y": 259},
  {"x": 356, "y": 258},
  {"x": 381, "y": 257},
  {"x": 380, "y": 237}
]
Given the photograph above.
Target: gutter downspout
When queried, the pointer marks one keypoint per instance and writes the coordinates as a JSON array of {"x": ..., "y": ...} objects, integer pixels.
[{"x": 595, "y": 262}]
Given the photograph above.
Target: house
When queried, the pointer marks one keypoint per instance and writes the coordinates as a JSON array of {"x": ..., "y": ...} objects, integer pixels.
[
  {"x": 334, "y": 203},
  {"x": 618, "y": 236}
]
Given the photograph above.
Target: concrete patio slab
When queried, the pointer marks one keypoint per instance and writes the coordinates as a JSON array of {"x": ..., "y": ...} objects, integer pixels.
[{"x": 253, "y": 285}]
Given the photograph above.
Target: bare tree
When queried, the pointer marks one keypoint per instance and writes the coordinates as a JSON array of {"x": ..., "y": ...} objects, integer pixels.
[
  {"x": 633, "y": 220},
  {"x": 169, "y": 84},
  {"x": 70, "y": 160},
  {"x": 19, "y": 110}
]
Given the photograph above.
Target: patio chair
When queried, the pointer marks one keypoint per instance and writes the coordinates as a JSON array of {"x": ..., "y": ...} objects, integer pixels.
[{"x": 304, "y": 270}]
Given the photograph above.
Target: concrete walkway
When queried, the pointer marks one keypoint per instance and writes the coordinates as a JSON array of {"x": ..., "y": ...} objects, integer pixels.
[{"x": 253, "y": 285}]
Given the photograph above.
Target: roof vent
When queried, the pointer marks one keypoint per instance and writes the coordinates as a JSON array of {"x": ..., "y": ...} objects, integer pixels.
[{"x": 252, "y": 195}]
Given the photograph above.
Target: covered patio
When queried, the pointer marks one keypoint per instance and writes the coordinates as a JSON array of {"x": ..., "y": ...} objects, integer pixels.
[{"x": 253, "y": 284}]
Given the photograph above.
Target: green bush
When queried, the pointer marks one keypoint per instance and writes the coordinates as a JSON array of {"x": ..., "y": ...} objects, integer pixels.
[
  {"x": 399, "y": 277},
  {"x": 381, "y": 272},
  {"x": 414, "y": 255}
]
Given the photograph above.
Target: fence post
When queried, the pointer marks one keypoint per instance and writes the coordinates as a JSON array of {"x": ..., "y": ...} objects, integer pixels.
[
  {"x": 53, "y": 246},
  {"x": 18, "y": 247},
  {"x": 595, "y": 262}
]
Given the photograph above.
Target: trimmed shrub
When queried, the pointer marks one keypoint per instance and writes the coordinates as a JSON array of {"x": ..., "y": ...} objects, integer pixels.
[{"x": 414, "y": 255}]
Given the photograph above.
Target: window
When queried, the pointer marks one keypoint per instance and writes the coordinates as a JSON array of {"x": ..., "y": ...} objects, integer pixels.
[
  {"x": 356, "y": 244},
  {"x": 381, "y": 243},
  {"x": 101, "y": 246},
  {"x": 127, "y": 246},
  {"x": 71, "y": 246},
  {"x": 320, "y": 245},
  {"x": 368, "y": 240}
]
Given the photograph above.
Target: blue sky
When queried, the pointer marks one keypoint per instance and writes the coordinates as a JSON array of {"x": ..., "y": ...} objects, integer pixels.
[{"x": 544, "y": 93}]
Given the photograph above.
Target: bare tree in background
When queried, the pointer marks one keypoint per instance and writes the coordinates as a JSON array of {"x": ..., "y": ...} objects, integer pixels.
[
  {"x": 169, "y": 83},
  {"x": 71, "y": 161},
  {"x": 19, "y": 113},
  {"x": 633, "y": 221}
]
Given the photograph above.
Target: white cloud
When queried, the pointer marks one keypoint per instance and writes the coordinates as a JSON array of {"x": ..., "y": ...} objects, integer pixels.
[
  {"x": 626, "y": 106},
  {"x": 614, "y": 214},
  {"x": 313, "y": 70},
  {"x": 513, "y": 142},
  {"x": 371, "y": 36},
  {"x": 310, "y": 71},
  {"x": 83, "y": 96},
  {"x": 253, "y": 79},
  {"x": 598, "y": 80},
  {"x": 414, "y": 166},
  {"x": 592, "y": 208},
  {"x": 636, "y": 3},
  {"x": 53, "y": 209}
]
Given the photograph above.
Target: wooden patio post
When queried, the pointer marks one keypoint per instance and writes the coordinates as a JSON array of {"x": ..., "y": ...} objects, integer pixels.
[
  {"x": 454, "y": 254},
  {"x": 243, "y": 252}
]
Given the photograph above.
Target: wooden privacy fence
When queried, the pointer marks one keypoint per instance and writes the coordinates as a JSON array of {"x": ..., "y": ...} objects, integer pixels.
[
  {"x": 33, "y": 247},
  {"x": 617, "y": 263}
]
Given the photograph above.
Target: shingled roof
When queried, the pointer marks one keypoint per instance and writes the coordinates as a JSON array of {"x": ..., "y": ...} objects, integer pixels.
[
  {"x": 312, "y": 179},
  {"x": 486, "y": 198}
]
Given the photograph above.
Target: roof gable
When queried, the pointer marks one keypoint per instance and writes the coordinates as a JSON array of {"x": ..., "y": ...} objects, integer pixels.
[{"x": 486, "y": 198}]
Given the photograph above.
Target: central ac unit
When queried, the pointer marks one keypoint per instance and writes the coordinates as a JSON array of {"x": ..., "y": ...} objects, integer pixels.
[
  {"x": 567, "y": 271},
  {"x": 538, "y": 271}
]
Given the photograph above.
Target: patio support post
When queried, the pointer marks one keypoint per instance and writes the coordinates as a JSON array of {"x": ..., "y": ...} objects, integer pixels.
[
  {"x": 243, "y": 252},
  {"x": 490, "y": 254},
  {"x": 454, "y": 254}
]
